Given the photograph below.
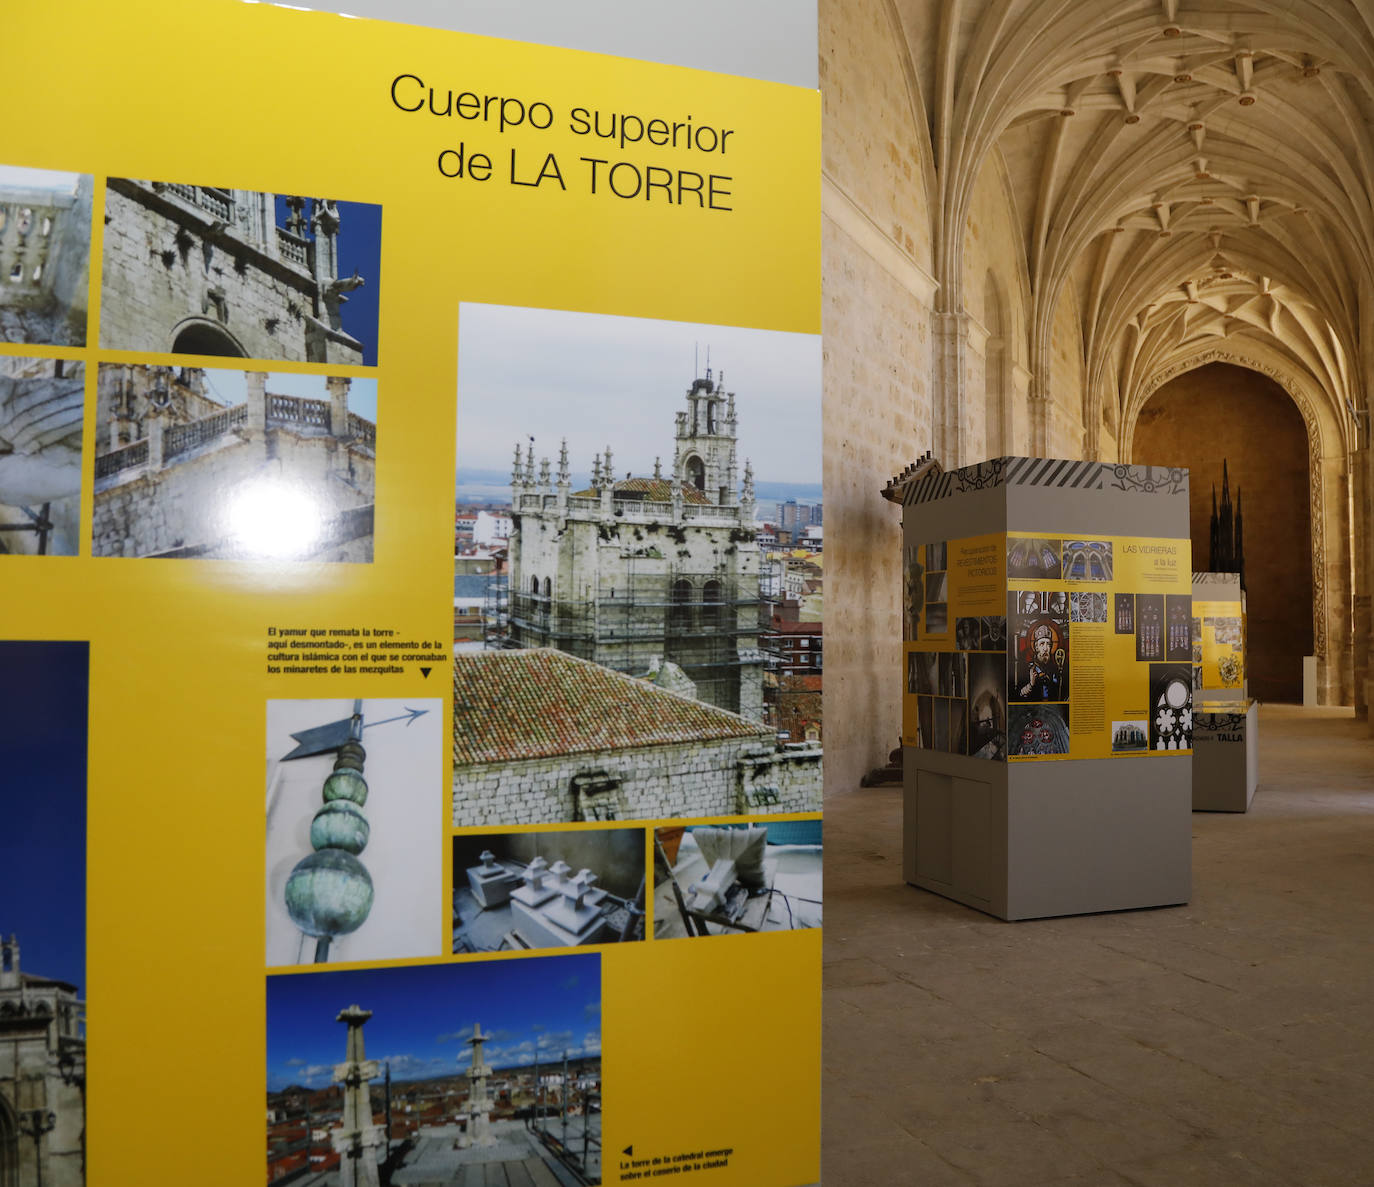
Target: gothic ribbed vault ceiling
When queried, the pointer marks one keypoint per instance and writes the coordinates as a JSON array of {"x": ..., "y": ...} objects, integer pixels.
[{"x": 1197, "y": 172}]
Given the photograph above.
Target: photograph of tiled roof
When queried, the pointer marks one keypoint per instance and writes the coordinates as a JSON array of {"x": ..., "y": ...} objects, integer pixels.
[
  {"x": 650, "y": 490},
  {"x": 538, "y": 702}
]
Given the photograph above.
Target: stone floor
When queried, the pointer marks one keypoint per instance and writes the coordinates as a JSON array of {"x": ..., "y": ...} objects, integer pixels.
[{"x": 1229, "y": 1041}]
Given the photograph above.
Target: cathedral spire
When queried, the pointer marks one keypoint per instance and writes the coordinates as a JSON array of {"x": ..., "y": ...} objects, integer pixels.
[
  {"x": 515, "y": 467},
  {"x": 545, "y": 478},
  {"x": 658, "y": 469},
  {"x": 564, "y": 477},
  {"x": 529, "y": 464},
  {"x": 1240, "y": 542}
]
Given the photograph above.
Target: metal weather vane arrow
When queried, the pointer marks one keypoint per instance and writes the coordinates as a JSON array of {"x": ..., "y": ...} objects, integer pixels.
[{"x": 322, "y": 739}]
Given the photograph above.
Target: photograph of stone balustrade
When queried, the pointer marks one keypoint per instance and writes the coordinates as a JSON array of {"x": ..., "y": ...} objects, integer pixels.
[
  {"x": 45, "y": 248},
  {"x": 194, "y": 462},
  {"x": 195, "y": 269},
  {"x": 42, "y": 404},
  {"x": 559, "y": 889},
  {"x": 354, "y": 848}
]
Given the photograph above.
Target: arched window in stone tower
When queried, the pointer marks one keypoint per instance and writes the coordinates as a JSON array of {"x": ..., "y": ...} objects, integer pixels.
[
  {"x": 9, "y": 1146},
  {"x": 712, "y": 609},
  {"x": 696, "y": 472},
  {"x": 201, "y": 337},
  {"x": 680, "y": 612}
]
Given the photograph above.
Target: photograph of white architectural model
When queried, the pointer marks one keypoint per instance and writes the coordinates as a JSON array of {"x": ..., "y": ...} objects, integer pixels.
[
  {"x": 667, "y": 536},
  {"x": 193, "y": 462},
  {"x": 557, "y": 889}
]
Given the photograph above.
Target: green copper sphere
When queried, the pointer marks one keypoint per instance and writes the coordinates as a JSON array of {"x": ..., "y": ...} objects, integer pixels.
[
  {"x": 346, "y": 784},
  {"x": 352, "y": 755},
  {"x": 340, "y": 824},
  {"x": 329, "y": 893}
]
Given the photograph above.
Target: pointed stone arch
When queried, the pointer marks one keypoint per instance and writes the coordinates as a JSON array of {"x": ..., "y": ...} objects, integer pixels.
[{"x": 1332, "y": 579}]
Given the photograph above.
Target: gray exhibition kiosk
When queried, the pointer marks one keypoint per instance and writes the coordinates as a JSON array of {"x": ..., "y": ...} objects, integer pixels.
[
  {"x": 1226, "y": 723},
  {"x": 1047, "y": 655}
]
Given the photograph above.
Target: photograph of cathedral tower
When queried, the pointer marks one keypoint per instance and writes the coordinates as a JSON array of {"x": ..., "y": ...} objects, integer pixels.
[{"x": 649, "y": 575}]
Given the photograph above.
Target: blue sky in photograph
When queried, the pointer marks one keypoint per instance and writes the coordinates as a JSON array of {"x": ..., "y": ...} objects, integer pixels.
[
  {"x": 360, "y": 251},
  {"x": 43, "y": 842},
  {"x": 601, "y": 380},
  {"x": 422, "y": 1016},
  {"x": 229, "y": 388},
  {"x": 13, "y": 177}
]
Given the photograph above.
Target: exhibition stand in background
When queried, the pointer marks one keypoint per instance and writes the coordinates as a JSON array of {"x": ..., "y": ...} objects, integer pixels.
[
  {"x": 1226, "y": 721},
  {"x": 1048, "y": 675}
]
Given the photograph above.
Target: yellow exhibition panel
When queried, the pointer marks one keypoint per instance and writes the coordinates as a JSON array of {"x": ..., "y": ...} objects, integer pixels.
[{"x": 330, "y": 264}]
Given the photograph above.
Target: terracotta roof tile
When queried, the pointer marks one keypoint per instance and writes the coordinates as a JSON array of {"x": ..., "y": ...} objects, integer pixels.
[
  {"x": 540, "y": 702},
  {"x": 650, "y": 490}
]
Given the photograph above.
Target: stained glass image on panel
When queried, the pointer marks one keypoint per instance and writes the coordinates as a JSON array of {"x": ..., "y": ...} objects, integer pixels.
[
  {"x": 1178, "y": 616},
  {"x": 1149, "y": 626},
  {"x": 1125, "y": 613},
  {"x": 1039, "y": 730},
  {"x": 1171, "y": 706},
  {"x": 1034, "y": 559},
  {"x": 1087, "y": 560},
  {"x": 1040, "y": 639}
]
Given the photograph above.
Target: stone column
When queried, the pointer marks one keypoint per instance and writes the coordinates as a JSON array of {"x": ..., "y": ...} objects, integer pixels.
[
  {"x": 357, "y": 1138},
  {"x": 1362, "y": 492},
  {"x": 338, "y": 386},
  {"x": 1038, "y": 397},
  {"x": 479, "y": 1102},
  {"x": 256, "y": 383},
  {"x": 153, "y": 422},
  {"x": 951, "y": 343}
]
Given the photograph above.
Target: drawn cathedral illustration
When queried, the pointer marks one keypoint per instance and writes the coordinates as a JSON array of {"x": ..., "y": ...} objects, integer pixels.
[{"x": 653, "y": 575}]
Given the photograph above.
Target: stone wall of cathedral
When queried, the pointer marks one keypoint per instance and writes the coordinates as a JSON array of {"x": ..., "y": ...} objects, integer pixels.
[
  {"x": 732, "y": 777},
  {"x": 166, "y": 268}
]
